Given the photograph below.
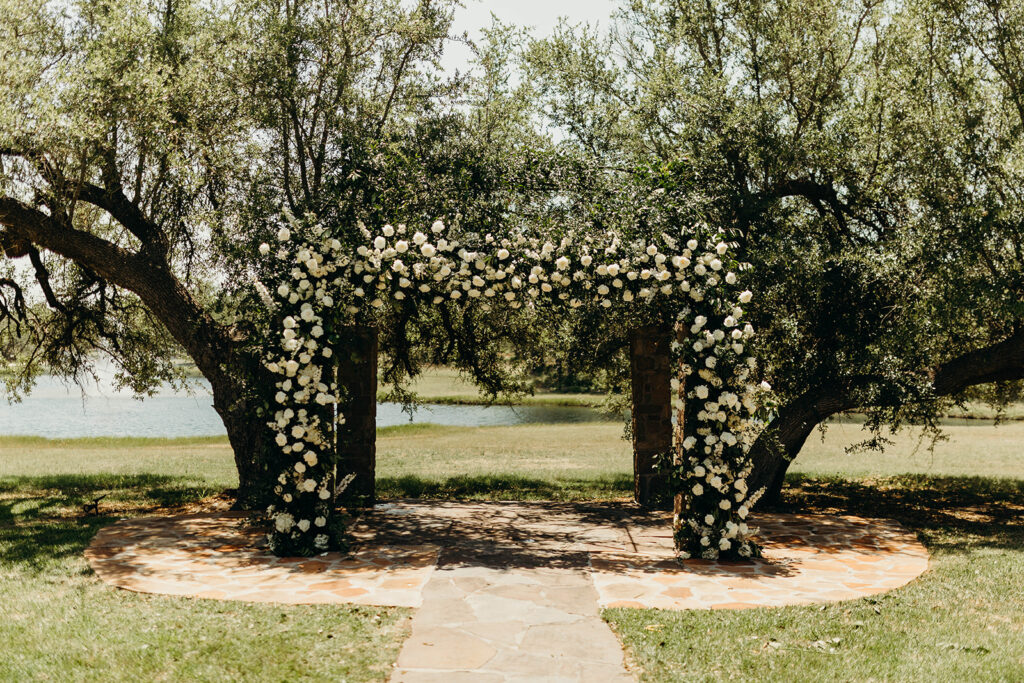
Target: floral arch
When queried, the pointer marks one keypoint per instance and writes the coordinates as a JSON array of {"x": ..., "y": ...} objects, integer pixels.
[{"x": 317, "y": 286}]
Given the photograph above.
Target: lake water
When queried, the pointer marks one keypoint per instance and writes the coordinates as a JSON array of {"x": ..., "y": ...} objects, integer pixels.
[{"x": 56, "y": 410}]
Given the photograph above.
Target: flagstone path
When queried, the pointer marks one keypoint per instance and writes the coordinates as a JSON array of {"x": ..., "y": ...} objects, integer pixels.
[{"x": 510, "y": 591}]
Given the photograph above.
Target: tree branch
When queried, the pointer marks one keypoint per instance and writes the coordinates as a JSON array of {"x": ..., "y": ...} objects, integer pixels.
[
  {"x": 783, "y": 438},
  {"x": 159, "y": 290},
  {"x": 43, "y": 278},
  {"x": 113, "y": 201}
]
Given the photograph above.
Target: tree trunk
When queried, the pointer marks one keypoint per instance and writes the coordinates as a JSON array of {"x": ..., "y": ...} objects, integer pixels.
[
  {"x": 651, "y": 377},
  {"x": 253, "y": 446},
  {"x": 783, "y": 438},
  {"x": 243, "y": 397},
  {"x": 357, "y": 437}
]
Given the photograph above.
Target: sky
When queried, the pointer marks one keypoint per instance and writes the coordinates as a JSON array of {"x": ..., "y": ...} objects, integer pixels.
[{"x": 542, "y": 15}]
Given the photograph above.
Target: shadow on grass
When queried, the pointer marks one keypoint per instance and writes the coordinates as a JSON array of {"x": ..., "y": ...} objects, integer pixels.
[
  {"x": 505, "y": 487},
  {"x": 954, "y": 514},
  {"x": 42, "y": 519}
]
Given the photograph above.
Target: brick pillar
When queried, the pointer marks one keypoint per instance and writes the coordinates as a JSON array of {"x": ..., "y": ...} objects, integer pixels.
[
  {"x": 681, "y": 426},
  {"x": 652, "y": 412},
  {"x": 357, "y": 438}
]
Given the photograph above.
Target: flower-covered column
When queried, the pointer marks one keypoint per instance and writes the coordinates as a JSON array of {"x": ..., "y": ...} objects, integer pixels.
[
  {"x": 304, "y": 414},
  {"x": 714, "y": 431}
]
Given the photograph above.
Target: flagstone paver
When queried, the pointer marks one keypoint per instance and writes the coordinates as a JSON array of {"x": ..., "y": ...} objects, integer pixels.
[
  {"x": 220, "y": 556},
  {"x": 532, "y": 624},
  {"x": 510, "y": 591},
  {"x": 625, "y": 553}
]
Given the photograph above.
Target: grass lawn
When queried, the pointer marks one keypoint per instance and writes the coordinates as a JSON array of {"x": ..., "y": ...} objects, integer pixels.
[
  {"x": 59, "y": 622},
  {"x": 440, "y": 384},
  {"x": 963, "y": 620}
]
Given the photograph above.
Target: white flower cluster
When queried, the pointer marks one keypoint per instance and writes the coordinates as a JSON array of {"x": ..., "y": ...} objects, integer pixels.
[
  {"x": 717, "y": 401},
  {"x": 321, "y": 286},
  {"x": 311, "y": 274},
  {"x": 579, "y": 270}
]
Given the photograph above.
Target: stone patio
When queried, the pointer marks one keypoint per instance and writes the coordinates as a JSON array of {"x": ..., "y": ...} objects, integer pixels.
[{"x": 510, "y": 591}]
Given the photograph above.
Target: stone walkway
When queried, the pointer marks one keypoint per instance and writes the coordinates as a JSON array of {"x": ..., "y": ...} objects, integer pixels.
[
  {"x": 510, "y": 591},
  {"x": 479, "y": 623}
]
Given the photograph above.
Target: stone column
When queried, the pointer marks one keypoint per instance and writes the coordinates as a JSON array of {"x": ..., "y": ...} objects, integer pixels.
[
  {"x": 680, "y": 427},
  {"x": 357, "y": 438},
  {"x": 651, "y": 375}
]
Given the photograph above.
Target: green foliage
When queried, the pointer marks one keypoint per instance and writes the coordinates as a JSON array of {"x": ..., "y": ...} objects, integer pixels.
[{"x": 867, "y": 156}]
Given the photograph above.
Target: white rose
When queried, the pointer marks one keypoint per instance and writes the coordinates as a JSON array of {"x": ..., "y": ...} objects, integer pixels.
[{"x": 284, "y": 522}]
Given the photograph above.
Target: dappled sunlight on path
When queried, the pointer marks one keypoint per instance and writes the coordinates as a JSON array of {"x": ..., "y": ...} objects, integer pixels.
[
  {"x": 626, "y": 552},
  {"x": 510, "y": 590}
]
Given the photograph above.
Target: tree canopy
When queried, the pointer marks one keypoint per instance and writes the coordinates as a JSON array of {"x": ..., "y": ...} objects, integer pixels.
[{"x": 866, "y": 156}]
